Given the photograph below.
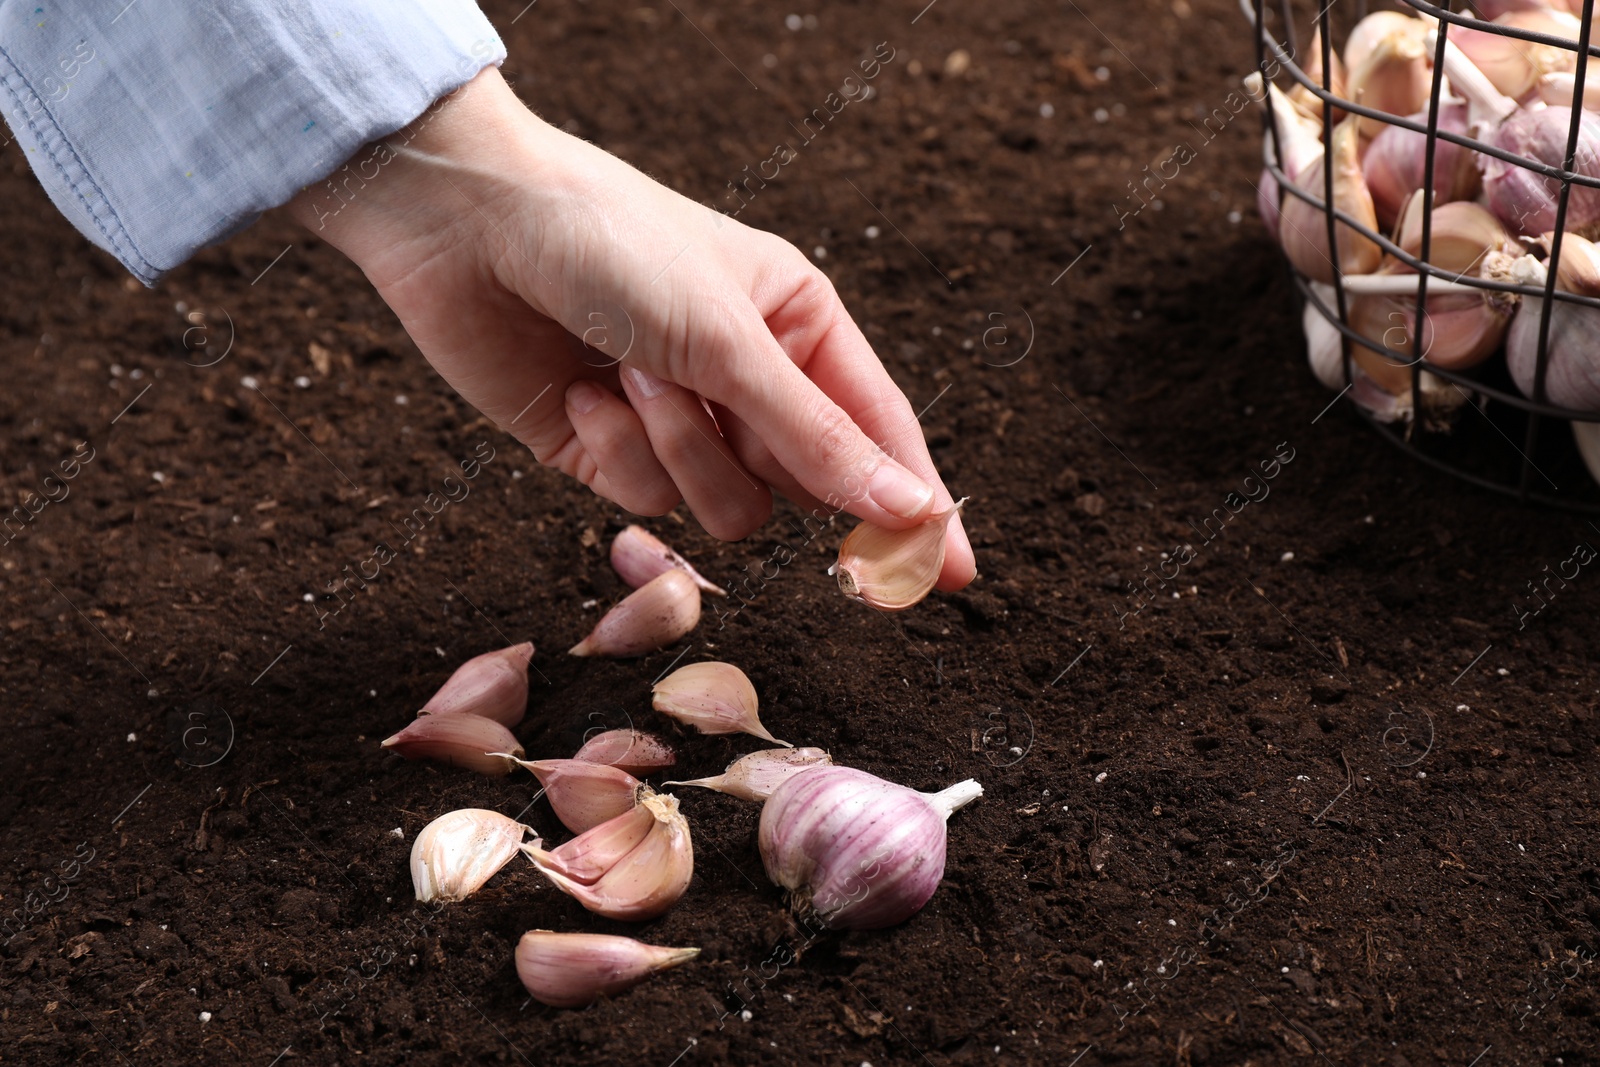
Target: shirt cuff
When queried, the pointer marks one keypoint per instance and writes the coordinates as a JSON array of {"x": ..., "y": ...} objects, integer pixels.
[{"x": 162, "y": 126}]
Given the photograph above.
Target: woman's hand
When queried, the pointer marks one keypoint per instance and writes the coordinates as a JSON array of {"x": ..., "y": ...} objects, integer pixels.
[{"x": 587, "y": 310}]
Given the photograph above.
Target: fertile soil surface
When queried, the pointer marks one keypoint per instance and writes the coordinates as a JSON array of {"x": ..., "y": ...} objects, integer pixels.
[{"x": 1325, "y": 792}]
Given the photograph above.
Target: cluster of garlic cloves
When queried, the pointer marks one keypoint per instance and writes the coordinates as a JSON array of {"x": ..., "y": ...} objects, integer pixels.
[
  {"x": 646, "y": 880},
  {"x": 1572, "y": 370},
  {"x": 894, "y": 569},
  {"x": 455, "y": 854},
  {"x": 714, "y": 698},
  {"x": 573, "y": 970}
]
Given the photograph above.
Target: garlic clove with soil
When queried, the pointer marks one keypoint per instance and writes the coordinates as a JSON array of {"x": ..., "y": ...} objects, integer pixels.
[
  {"x": 648, "y": 880},
  {"x": 755, "y": 776},
  {"x": 633, "y": 751},
  {"x": 455, "y": 854},
  {"x": 592, "y": 853},
  {"x": 714, "y": 698},
  {"x": 469, "y": 741},
  {"x": 637, "y": 555},
  {"x": 892, "y": 570},
  {"x": 857, "y": 851},
  {"x": 573, "y": 970},
  {"x": 583, "y": 794},
  {"x": 493, "y": 685},
  {"x": 650, "y": 618}
]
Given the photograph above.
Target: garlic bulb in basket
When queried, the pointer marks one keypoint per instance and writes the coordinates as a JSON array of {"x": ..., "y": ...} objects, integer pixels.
[{"x": 1572, "y": 374}]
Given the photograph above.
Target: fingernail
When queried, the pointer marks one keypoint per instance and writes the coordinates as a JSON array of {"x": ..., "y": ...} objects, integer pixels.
[
  {"x": 584, "y": 397},
  {"x": 899, "y": 492},
  {"x": 649, "y": 385}
]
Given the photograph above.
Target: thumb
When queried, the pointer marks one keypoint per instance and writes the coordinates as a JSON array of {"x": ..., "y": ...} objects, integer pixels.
[{"x": 823, "y": 448}]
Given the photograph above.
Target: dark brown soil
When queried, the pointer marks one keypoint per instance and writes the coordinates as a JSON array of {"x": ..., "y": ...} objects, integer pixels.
[{"x": 1335, "y": 806}]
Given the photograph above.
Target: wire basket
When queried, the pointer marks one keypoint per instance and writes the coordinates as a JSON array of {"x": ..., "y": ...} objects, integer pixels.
[{"x": 1496, "y": 435}]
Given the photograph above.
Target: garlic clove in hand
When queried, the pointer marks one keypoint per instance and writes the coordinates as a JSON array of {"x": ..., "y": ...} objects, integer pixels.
[
  {"x": 645, "y": 882},
  {"x": 592, "y": 853},
  {"x": 893, "y": 569},
  {"x": 860, "y": 852},
  {"x": 457, "y": 852},
  {"x": 583, "y": 794},
  {"x": 493, "y": 685},
  {"x": 714, "y": 698},
  {"x": 469, "y": 741},
  {"x": 650, "y": 618},
  {"x": 755, "y": 776},
  {"x": 572, "y": 970},
  {"x": 633, "y": 751},
  {"x": 637, "y": 555}
]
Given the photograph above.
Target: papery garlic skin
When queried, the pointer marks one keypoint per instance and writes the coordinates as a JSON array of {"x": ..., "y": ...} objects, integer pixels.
[
  {"x": 714, "y": 698},
  {"x": 493, "y": 685},
  {"x": 1560, "y": 88},
  {"x": 573, "y": 970},
  {"x": 587, "y": 857},
  {"x": 860, "y": 852},
  {"x": 637, "y": 555},
  {"x": 1512, "y": 65},
  {"x": 892, "y": 570},
  {"x": 1304, "y": 99},
  {"x": 455, "y": 854},
  {"x": 1572, "y": 370},
  {"x": 755, "y": 776},
  {"x": 469, "y": 741},
  {"x": 633, "y": 751},
  {"x": 645, "y": 882},
  {"x": 650, "y": 618},
  {"x": 582, "y": 794}
]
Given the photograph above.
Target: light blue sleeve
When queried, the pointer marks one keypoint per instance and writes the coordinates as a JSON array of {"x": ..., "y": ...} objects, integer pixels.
[{"x": 160, "y": 126}]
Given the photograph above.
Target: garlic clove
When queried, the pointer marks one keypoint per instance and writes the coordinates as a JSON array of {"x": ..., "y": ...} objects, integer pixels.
[
  {"x": 714, "y": 698},
  {"x": 583, "y": 794},
  {"x": 1326, "y": 356},
  {"x": 587, "y": 857},
  {"x": 1463, "y": 234},
  {"x": 1572, "y": 371},
  {"x": 645, "y": 882},
  {"x": 1395, "y": 163},
  {"x": 650, "y": 618},
  {"x": 493, "y": 685},
  {"x": 1512, "y": 65},
  {"x": 1304, "y": 99},
  {"x": 1304, "y": 227},
  {"x": 457, "y": 852},
  {"x": 633, "y": 751},
  {"x": 573, "y": 970},
  {"x": 893, "y": 569},
  {"x": 1559, "y": 88},
  {"x": 1394, "y": 76},
  {"x": 469, "y": 741},
  {"x": 1587, "y": 436},
  {"x": 755, "y": 776},
  {"x": 637, "y": 555},
  {"x": 1365, "y": 36}
]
